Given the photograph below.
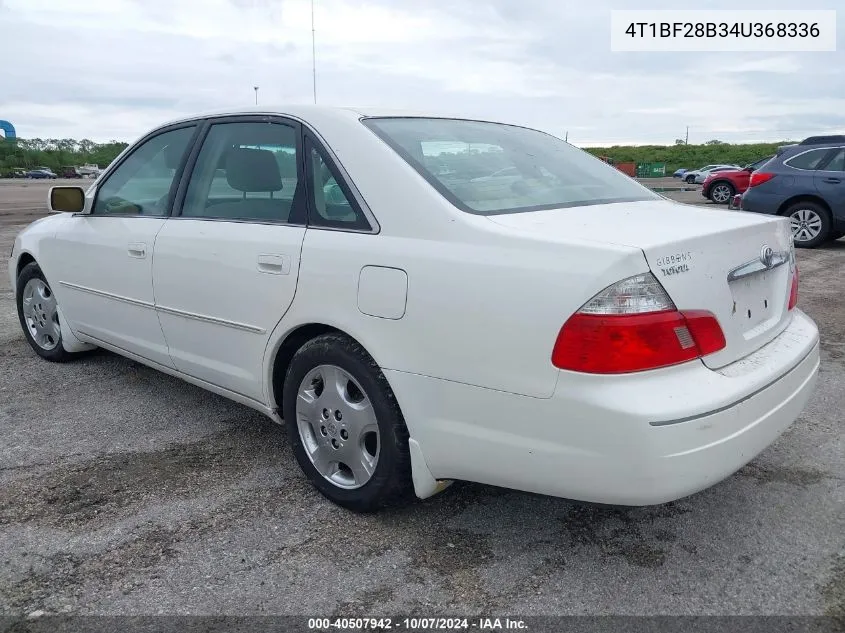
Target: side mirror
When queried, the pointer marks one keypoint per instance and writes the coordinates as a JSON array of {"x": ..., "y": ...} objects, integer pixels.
[{"x": 66, "y": 199}]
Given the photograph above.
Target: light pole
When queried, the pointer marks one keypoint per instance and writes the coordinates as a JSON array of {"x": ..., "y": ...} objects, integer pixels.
[{"x": 256, "y": 94}]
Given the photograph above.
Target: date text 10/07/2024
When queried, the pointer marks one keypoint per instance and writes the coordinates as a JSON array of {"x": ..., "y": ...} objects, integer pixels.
[{"x": 417, "y": 624}]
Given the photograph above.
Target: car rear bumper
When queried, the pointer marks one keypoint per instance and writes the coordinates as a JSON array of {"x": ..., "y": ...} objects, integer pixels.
[
  {"x": 638, "y": 439},
  {"x": 758, "y": 201}
]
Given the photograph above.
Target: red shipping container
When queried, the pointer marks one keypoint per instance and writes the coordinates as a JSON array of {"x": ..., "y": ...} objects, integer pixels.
[{"x": 629, "y": 169}]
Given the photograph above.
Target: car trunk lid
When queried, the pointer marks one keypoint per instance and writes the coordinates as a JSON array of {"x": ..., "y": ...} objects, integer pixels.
[{"x": 736, "y": 265}]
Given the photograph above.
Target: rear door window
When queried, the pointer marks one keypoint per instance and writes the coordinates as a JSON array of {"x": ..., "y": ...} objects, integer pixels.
[
  {"x": 330, "y": 199},
  {"x": 246, "y": 171}
]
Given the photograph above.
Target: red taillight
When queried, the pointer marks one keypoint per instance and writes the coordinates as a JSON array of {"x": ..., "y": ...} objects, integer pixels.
[
  {"x": 758, "y": 178},
  {"x": 617, "y": 344},
  {"x": 705, "y": 330},
  {"x": 793, "y": 290}
]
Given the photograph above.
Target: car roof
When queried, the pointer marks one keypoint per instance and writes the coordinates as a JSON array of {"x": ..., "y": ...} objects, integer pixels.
[
  {"x": 313, "y": 113},
  {"x": 824, "y": 140},
  {"x": 791, "y": 151}
]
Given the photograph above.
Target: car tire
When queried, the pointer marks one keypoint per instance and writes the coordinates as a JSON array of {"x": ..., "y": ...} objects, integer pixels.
[
  {"x": 357, "y": 423},
  {"x": 721, "y": 192},
  {"x": 38, "y": 315},
  {"x": 814, "y": 219},
  {"x": 690, "y": 180}
]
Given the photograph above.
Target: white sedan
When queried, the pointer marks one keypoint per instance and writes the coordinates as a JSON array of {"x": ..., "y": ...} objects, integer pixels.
[
  {"x": 697, "y": 176},
  {"x": 571, "y": 334}
]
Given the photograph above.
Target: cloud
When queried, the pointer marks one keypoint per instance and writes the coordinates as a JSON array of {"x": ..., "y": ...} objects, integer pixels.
[
  {"x": 776, "y": 65},
  {"x": 127, "y": 65}
]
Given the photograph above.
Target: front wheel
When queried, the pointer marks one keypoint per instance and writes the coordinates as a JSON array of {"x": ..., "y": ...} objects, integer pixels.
[
  {"x": 345, "y": 426},
  {"x": 38, "y": 312},
  {"x": 690, "y": 180},
  {"x": 810, "y": 223}
]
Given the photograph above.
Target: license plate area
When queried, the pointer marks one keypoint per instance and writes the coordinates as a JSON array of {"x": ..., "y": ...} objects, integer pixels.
[{"x": 753, "y": 300}]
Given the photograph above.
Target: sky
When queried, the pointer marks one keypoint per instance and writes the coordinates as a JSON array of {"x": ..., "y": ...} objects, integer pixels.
[{"x": 114, "y": 69}]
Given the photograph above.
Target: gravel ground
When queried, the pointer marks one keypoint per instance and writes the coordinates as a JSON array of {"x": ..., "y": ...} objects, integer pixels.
[{"x": 125, "y": 491}]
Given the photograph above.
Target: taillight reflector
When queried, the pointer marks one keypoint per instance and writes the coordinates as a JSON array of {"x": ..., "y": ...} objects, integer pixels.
[
  {"x": 758, "y": 178},
  {"x": 616, "y": 344},
  {"x": 793, "y": 290}
]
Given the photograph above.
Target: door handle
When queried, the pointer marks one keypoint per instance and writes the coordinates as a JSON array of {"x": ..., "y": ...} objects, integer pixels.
[
  {"x": 833, "y": 181},
  {"x": 137, "y": 249},
  {"x": 274, "y": 264}
]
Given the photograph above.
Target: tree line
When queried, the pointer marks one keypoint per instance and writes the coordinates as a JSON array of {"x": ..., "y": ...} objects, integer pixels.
[
  {"x": 675, "y": 156},
  {"x": 59, "y": 153},
  {"x": 55, "y": 153},
  {"x": 681, "y": 155}
]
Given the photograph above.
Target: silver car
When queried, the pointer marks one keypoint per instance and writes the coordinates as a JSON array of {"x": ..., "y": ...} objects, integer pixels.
[{"x": 697, "y": 176}]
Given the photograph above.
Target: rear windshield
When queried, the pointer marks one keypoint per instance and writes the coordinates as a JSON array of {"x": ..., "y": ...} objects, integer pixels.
[{"x": 491, "y": 168}]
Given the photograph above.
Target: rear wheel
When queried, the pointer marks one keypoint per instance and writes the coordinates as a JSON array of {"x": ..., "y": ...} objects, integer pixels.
[
  {"x": 38, "y": 312},
  {"x": 721, "y": 192},
  {"x": 345, "y": 426},
  {"x": 810, "y": 223}
]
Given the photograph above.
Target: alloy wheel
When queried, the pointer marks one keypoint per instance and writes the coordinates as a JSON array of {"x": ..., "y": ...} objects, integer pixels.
[
  {"x": 806, "y": 225},
  {"x": 721, "y": 194}
]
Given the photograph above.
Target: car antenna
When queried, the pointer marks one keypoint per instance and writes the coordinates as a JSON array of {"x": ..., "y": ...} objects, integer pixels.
[{"x": 313, "y": 55}]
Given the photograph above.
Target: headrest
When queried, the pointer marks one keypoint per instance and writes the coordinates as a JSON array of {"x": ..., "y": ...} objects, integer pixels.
[{"x": 252, "y": 170}]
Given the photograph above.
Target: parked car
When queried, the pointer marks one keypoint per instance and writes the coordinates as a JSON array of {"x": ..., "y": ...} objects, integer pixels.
[
  {"x": 89, "y": 170},
  {"x": 806, "y": 183},
  {"x": 578, "y": 336},
  {"x": 40, "y": 173},
  {"x": 679, "y": 173},
  {"x": 70, "y": 172},
  {"x": 701, "y": 177},
  {"x": 697, "y": 176},
  {"x": 690, "y": 174},
  {"x": 721, "y": 186}
]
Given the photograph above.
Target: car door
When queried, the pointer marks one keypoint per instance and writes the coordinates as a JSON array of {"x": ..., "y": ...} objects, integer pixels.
[
  {"x": 226, "y": 264},
  {"x": 104, "y": 256},
  {"x": 829, "y": 180}
]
